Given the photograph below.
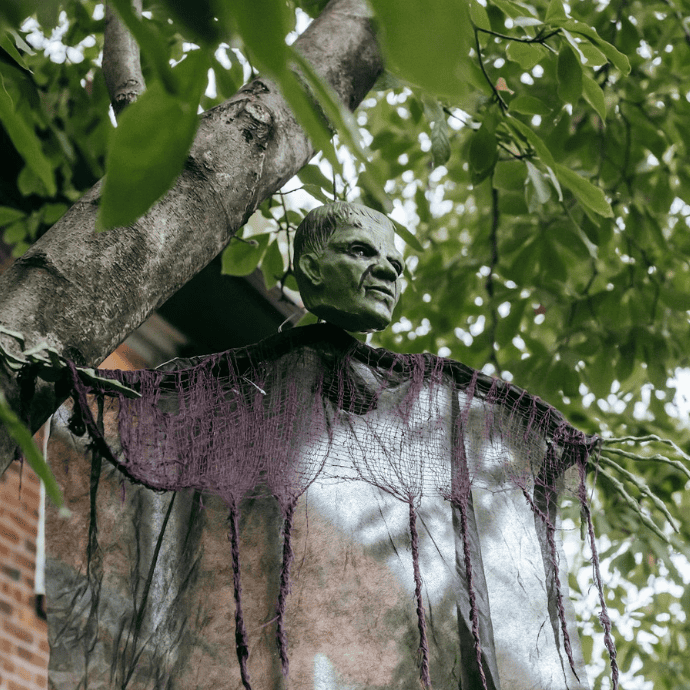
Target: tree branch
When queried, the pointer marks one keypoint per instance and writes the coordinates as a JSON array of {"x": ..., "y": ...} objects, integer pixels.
[
  {"x": 121, "y": 61},
  {"x": 83, "y": 293}
]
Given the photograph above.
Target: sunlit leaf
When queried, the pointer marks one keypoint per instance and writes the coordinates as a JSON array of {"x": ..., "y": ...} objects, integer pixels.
[
  {"x": 272, "y": 265},
  {"x": 440, "y": 143},
  {"x": 594, "y": 95},
  {"x": 509, "y": 175},
  {"x": 9, "y": 215},
  {"x": 542, "y": 191},
  {"x": 149, "y": 148},
  {"x": 479, "y": 16},
  {"x": 586, "y": 193},
  {"x": 409, "y": 238},
  {"x": 529, "y": 105},
  {"x": 22, "y": 437},
  {"x": 427, "y": 43},
  {"x": 241, "y": 257},
  {"x": 569, "y": 75},
  {"x": 527, "y": 55},
  {"x": 26, "y": 142},
  {"x": 483, "y": 154},
  {"x": 618, "y": 59}
]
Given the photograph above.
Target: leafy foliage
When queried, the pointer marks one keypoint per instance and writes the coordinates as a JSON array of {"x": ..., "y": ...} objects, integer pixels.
[{"x": 537, "y": 156}]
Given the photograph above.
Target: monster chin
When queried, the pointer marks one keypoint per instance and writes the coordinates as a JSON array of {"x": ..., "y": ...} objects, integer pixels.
[{"x": 356, "y": 322}]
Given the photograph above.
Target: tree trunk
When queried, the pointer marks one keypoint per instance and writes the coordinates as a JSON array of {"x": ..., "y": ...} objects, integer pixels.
[{"x": 83, "y": 292}]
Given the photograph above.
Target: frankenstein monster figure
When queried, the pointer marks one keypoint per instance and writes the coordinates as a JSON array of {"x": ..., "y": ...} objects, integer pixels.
[
  {"x": 406, "y": 483},
  {"x": 347, "y": 266}
]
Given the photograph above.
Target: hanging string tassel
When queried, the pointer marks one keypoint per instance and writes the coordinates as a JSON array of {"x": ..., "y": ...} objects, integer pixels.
[
  {"x": 241, "y": 643},
  {"x": 474, "y": 614},
  {"x": 281, "y": 636},
  {"x": 421, "y": 619},
  {"x": 551, "y": 539},
  {"x": 604, "y": 615}
]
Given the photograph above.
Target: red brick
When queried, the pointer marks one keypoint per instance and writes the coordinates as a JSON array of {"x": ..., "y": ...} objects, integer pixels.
[
  {"x": 30, "y": 546},
  {"x": 4, "y": 551},
  {"x": 29, "y": 495},
  {"x": 5, "y": 608},
  {"x": 16, "y": 686},
  {"x": 26, "y": 563},
  {"x": 16, "y": 631},
  {"x": 27, "y": 527},
  {"x": 44, "y": 646},
  {"x": 29, "y": 656},
  {"x": 9, "y": 534},
  {"x": 41, "y": 681},
  {"x": 5, "y": 645},
  {"x": 8, "y": 666},
  {"x": 12, "y": 573}
]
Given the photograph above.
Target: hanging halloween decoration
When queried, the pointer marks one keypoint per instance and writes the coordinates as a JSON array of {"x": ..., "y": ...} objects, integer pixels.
[{"x": 469, "y": 466}]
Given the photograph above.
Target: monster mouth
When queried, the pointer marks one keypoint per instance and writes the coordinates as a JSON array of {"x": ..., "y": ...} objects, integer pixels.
[{"x": 381, "y": 289}]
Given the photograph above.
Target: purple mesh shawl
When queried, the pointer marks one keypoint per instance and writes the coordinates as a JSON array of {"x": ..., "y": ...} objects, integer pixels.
[{"x": 316, "y": 404}]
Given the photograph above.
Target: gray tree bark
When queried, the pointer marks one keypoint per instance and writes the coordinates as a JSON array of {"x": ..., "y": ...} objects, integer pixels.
[
  {"x": 121, "y": 61},
  {"x": 83, "y": 292}
]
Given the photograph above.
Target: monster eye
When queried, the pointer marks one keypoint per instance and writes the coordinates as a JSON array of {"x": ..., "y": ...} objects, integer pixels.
[{"x": 360, "y": 250}]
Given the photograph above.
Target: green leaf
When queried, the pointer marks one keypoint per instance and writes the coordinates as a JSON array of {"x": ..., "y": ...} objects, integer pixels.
[
  {"x": 676, "y": 299},
  {"x": 527, "y": 55},
  {"x": 509, "y": 175},
  {"x": 311, "y": 174},
  {"x": 147, "y": 153},
  {"x": 26, "y": 142},
  {"x": 9, "y": 215},
  {"x": 584, "y": 191},
  {"x": 594, "y": 95},
  {"x": 51, "y": 213},
  {"x": 228, "y": 81},
  {"x": 529, "y": 105},
  {"x": 241, "y": 257},
  {"x": 427, "y": 43},
  {"x": 8, "y": 45},
  {"x": 22, "y": 436},
  {"x": 272, "y": 265},
  {"x": 483, "y": 154},
  {"x": 618, "y": 59},
  {"x": 541, "y": 189},
  {"x": 440, "y": 143},
  {"x": 408, "y": 236},
  {"x": 200, "y": 19},
  {"x": 338, "y": 115},
  {"x": 569, "y": 75},
  {"x": 317, "y": 192},
  {"x": 479, "y": 16},
  {"x": 525, "y": 133},
  {"x": 555, "y": 11}
]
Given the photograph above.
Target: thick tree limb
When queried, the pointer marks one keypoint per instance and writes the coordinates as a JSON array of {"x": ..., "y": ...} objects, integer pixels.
[
  {"x": 121, "y": 61},
  {"x": 83, "y": 292}
]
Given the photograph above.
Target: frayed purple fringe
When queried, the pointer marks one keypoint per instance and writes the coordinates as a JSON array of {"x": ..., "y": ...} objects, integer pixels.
[
  {"x": 421, "y": 618},
  {"x": 288, "y": 555}
]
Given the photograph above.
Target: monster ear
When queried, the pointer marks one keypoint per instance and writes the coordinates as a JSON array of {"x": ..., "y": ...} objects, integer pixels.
[{"x": 309, "y": 265}]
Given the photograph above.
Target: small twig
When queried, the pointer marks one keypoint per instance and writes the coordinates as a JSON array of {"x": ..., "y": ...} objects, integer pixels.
[
  {"x": 539, "y": 38},
  {"x": 652, "y": 458},
  {"x": 618, "y": 485},
  {"x": 647, "y": 439},
  {"x": 503, "y": 105},
  {"x": 642, "y": 488}
]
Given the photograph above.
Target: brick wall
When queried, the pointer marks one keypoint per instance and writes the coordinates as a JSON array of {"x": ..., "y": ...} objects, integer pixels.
[{"x": 23, "y": 633}]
